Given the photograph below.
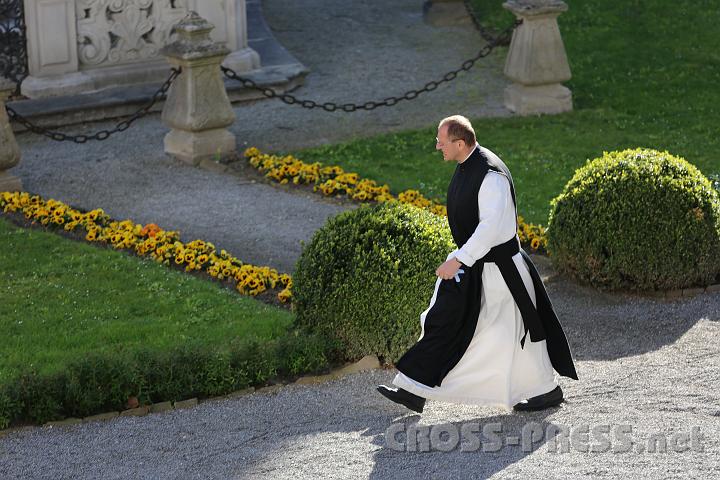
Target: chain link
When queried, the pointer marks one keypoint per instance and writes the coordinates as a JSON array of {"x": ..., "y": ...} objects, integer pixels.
[
  {"x": 484, "y": 33},
  {"x": 502, "y": 39},
  {"x": 102, "y": 134}
]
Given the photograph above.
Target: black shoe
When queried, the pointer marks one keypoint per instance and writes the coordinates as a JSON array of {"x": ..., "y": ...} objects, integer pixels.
[
  {"x": 551, "y": 399},
  {"x": 403, "y": 397}
]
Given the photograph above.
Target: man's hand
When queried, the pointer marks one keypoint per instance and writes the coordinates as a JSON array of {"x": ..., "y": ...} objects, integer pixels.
[{"x": 448, "y": 269}]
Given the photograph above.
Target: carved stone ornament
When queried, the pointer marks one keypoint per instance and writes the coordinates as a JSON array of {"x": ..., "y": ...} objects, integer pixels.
[{"x": 112, "y": 32}]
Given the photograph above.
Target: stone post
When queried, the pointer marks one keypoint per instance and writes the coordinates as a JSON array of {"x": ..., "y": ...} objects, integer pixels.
[
  {"x": 197, "y": 107},
  {"x": 536, "y": 61},
  {"x": 9, "y": 149}
]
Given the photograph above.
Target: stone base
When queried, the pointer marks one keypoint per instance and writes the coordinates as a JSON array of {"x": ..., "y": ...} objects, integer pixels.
[
  {"x": 10, "y": 183},
  {"x": 88, "y": 81},
  {"x": 243, "y": 60},
  {"x": 524, "y": 100},
  {"x": 444, "y": 13},
  {"x": 193, "y": 147}
]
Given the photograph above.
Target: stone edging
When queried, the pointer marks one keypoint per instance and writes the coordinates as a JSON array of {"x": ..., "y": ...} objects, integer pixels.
[
  {"x": 369, "y": 362},
  {"x": 687, "y": 292}
]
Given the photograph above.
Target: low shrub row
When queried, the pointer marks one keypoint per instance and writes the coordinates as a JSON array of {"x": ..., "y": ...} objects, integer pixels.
[{"x": 101, "y": 382}]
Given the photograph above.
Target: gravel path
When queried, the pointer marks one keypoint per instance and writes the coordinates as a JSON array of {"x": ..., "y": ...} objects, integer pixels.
[{"x": 647, "y": 363}]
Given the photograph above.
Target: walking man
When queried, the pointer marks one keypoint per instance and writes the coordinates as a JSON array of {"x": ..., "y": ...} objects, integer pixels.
[{"x": 490, "y": 335}]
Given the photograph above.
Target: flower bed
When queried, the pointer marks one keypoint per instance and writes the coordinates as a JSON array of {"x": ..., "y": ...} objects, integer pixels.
[
  {"x": 163, "y": 246},
  {"x": 333, "y": 181}
]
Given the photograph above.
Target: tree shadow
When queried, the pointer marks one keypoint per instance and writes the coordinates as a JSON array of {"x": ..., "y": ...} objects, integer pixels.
[{"x": 607, "y": 326}]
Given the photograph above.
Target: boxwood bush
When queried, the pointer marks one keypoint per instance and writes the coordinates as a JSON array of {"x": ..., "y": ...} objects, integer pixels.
[
  {"x": 637, "y": 219},
  {"x": 366, "y": 276},
  {"x": 101, "y": 382}
]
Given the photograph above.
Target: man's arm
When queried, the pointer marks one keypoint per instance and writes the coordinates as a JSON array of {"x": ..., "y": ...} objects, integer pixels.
[{"x": 494, "y": 200}]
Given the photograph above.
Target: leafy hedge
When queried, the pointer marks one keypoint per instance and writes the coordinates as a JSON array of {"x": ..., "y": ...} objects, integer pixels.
[
  {"x": 367, "y": 274},
  {"x": 637, "y": 219},
  {"x": 104, "y": 382}
]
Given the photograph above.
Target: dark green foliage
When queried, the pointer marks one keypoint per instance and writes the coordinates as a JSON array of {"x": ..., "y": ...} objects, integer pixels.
[
  {"x": 367, "y": 275},
  {"x": 637, "y": 219},
  {"x": 101, "y": 382}
]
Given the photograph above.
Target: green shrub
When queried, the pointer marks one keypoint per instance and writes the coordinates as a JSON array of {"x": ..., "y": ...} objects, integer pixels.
[
  {"x": 637, "y": 219},
  {"x": 300, "y": 353},
  {"x": 366, "y": 276},
  {"x": 98, "y": 382},
  {"x": 104, "y": 381}
]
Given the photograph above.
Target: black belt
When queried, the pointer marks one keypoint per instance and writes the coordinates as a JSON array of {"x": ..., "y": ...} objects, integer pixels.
[{"x": 501, "y": 255}]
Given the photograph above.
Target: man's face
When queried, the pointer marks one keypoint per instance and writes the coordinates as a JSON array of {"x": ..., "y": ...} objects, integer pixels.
[{"x": 450, "y": 147}]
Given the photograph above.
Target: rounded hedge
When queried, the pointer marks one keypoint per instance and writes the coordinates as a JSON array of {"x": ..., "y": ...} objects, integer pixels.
[
  {"x": 637, "y": 219},
  {"x": 367, "y": 275}
]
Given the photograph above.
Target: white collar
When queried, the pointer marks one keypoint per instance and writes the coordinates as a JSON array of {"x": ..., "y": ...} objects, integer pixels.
[{"x": 477, "y": 145}]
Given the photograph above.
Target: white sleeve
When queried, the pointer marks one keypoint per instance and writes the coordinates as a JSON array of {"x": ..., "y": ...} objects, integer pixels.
[{"x": 497, "y": 219}]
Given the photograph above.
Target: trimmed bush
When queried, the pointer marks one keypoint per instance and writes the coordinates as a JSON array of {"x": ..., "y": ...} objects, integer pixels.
[
  {"x": 366, "y": 276},
  {"x": 101, "y": 382},
  {"x": 637, "y": 219}
]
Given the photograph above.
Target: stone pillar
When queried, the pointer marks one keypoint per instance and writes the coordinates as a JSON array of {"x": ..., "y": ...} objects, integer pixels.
[
  {"x": 536, "y": 61},
  {"x": 197, "y": 107},
  {"x": 9, "y": 150}
]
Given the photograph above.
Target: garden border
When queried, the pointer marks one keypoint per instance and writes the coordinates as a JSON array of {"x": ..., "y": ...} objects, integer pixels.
[{"x": 368, "y": 362}]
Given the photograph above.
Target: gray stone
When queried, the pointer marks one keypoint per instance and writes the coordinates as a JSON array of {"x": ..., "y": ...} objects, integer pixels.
[
  {"x": 240, "y": 393},
  {"x": 64, "y": 423},
  {"x": 186, "y": 403},
  {"x": 691, "y": 292},
  {"x": 672, "y": 294},
  {"x": 368, "y": 362},
  {"x": 101, "y": 416},
  {"x": 161, "y": 407},
  {"x": 314, "y": 379},
  {"x": 269, "y": 389},
  {"x": 135, "y": 412}
]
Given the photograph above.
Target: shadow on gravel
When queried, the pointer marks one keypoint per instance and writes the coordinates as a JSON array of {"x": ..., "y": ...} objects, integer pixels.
[
  {"x": 608, "y": 326},
  {"x": 424, "y": 450}
]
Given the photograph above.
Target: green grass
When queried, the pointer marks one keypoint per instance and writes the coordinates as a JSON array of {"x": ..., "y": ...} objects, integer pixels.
[
  {"x": 61, "y": 299},
  {"x": 645, "y": 73}
]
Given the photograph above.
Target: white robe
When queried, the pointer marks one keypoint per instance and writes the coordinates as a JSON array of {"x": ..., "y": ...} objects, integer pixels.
[{"x": 495, "y": 370}]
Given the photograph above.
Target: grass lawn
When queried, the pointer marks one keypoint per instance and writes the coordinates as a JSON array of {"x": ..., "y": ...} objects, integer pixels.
[
  {"x": 645, "y": 74},
  {"x": 60, "y": 299}
]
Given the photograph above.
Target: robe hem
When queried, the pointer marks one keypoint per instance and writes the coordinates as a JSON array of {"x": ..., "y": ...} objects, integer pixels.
[{"x": 431, "y": 394}]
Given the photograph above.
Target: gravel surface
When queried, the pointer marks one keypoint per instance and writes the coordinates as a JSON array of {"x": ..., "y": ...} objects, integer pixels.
[{"x": 650, "y": 364}]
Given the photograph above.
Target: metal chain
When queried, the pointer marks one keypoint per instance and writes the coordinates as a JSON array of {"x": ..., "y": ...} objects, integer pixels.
[
  {"x": 102, "y": 134},
  {"x": 387, "y": 102},
  {"x": 476, "y": 21}
]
